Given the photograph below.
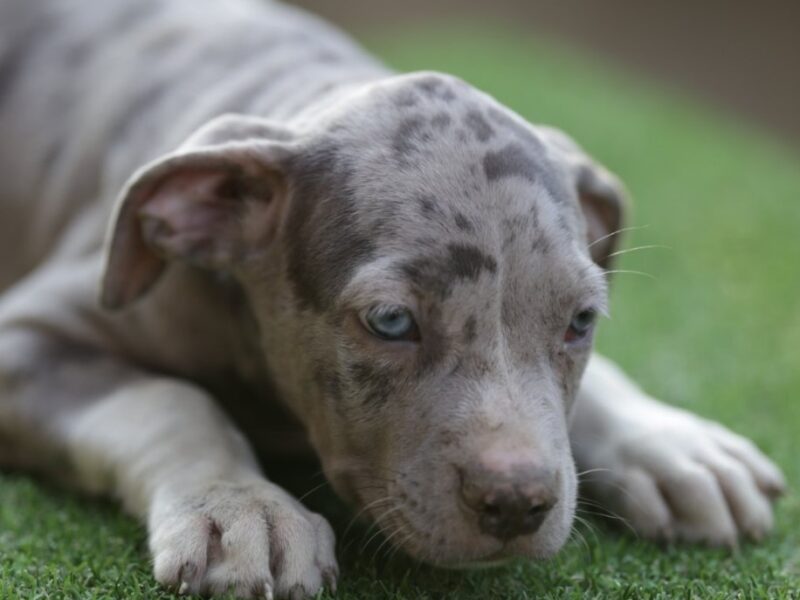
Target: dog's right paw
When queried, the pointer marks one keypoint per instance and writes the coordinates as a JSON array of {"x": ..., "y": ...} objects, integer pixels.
[
  {"x": 676, "y": 476},
  {"x": 250, "y": 538}
]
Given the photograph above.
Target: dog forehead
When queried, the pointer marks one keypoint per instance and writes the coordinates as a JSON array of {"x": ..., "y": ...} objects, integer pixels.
[
  {"x": 424, "y": 166},
  {"x": 433, "y": 133}
]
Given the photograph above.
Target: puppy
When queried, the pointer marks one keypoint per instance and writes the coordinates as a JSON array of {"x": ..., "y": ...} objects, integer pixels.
[{"x": 407, "y": 266}]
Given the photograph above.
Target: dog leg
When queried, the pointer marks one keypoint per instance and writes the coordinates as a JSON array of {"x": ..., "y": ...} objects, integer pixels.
[
  {"x": 670, "y": 473},
  {"x": 161, "y": 446}
]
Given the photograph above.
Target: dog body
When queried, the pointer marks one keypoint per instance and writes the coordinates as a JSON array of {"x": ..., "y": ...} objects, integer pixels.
[{"x": 410, "y": 267}]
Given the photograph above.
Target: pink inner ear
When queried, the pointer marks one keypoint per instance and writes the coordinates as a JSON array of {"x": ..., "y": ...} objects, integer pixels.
[
  {"x": 206, "y": 208},
  {"x": 187, "y": 218},
  {"x": 130, "y": 272}
]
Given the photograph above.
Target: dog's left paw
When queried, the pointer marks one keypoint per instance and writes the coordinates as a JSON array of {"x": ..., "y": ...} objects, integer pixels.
[{"x": 676, "y": 476}]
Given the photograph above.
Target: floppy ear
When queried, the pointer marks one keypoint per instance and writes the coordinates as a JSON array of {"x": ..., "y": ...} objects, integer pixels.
[
  {"x": 603, "y": 201},
  {"x": 602, "y": 198},
  {"x": 211, "y": 206}
]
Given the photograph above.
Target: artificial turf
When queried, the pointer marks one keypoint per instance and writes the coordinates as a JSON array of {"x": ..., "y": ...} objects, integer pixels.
[{"x": 715, "y": 329}]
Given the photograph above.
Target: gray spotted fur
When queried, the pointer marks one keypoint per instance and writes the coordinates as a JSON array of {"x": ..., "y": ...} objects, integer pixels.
[{"x": 343, "y": 185}]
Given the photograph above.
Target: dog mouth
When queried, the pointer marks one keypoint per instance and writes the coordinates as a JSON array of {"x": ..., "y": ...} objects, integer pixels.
[
  {"x": 450, "y": 543},
  {"x": 399, "y": 534},
  {"x": 428, "y": 518}
]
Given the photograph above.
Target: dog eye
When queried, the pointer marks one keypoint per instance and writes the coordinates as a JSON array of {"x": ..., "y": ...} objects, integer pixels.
[
  {"x": 390, "y": 322},
  {"x": 581, "y": 325}
]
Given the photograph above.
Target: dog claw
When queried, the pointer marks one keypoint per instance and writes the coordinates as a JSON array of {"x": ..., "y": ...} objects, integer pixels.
[
  {"x": 267, "y": 591},
  {"x": 184, "y": 589}
]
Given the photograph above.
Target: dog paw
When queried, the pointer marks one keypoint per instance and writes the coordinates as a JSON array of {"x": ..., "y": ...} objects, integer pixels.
[
  {"x": 675, "y": 476},
  {"x": 252, "y": 539}
]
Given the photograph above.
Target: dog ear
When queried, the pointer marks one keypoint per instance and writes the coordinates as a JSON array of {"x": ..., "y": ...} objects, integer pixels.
[
  {"x": 603, "y": 201},
  {"x": 212, "y": 204},
  {"x": 602, "y": 197}
]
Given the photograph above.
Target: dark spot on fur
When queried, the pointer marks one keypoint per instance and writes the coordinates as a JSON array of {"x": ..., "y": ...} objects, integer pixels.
[
  {"x": 479, "y": 125},
  {"x": 431, "y": 210},
  {"x": 463, "y": 223},
  {"x": 324, "y": 241},
  {"x": 473, "y": 366},
  {"x": 520, "y": 225},
  {"x": 428, "y": 206},
  {"x": 468, "y": 261},
  {"x": 540, "y": 245},
  {"x": 329, "y": 381},
  {"x": 375, "y": 383},
  {"x": 441, "y": 121},
  {"x": 435, "y": 343},
  {"x": 408, "y": 136},
  {"x": 511, "y": 161},
  {"x": 405, "y": 98},
  {"x": 429, "y": 84},
  {"x": 470, "y": 329},
  {"x": 529, "y": 160},
  {"x": 564, "y": 224},
  {"x": 436, "y": 87},
  {"x": 440, "y": 273},
  {"x": 509, "y": 238}
]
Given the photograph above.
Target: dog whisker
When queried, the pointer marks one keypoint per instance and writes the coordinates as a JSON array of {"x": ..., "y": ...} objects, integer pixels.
[
  {"x": 631, "y": 272},
  {"x": 378, "y": 522},
  {"x": 609, "y": 515},
  {"x": 617, "y": 232},
  {"x": 622, "y": 490},
  {"x": 589, "y": 526},
  {"x": 578, "y": 535},
  {"x": 637, "y": 248},
  {"x": 597, "y": 470},
  {"x": 388, "y": 538},
  {"x": 365, "y": 508},
  {"x": 312, "y": 490},
  {"x": 411, "y": 534}
]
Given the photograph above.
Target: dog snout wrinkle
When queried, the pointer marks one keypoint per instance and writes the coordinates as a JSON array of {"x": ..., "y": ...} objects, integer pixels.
[{"x": 509, "y": 503}]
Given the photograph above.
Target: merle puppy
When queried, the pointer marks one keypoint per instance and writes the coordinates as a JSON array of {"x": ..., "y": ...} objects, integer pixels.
[{"x": 410, "y": 268}]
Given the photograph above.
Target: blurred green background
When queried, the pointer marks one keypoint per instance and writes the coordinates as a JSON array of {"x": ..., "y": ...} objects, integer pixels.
[{"x": 716, "y": 329}]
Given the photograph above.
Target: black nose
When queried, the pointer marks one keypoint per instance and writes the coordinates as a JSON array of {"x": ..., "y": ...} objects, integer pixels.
[{"x": 509, "y": 503}]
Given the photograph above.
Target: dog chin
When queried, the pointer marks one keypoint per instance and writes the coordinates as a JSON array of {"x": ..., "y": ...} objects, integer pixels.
[{"x": 496, "y": 554}]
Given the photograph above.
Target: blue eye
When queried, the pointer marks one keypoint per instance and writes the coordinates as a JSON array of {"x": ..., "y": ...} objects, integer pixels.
[
  {"x": 394, "y": 323},
  {"x": 581, "y": 325}
]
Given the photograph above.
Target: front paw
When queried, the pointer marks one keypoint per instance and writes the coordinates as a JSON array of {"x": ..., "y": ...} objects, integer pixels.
[
  {"x": 675, "y": 476},
  {"x": 251, "y": 538}
]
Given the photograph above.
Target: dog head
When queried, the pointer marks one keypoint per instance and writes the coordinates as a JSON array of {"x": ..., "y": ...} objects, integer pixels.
[{"x": 425, "y": 268}]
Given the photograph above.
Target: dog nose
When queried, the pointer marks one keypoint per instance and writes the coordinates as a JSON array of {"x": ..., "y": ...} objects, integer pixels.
[{"x": 509, "y": 501}]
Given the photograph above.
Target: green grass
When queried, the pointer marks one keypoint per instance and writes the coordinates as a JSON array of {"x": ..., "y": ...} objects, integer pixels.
[{"x": 717, "y": 331}]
